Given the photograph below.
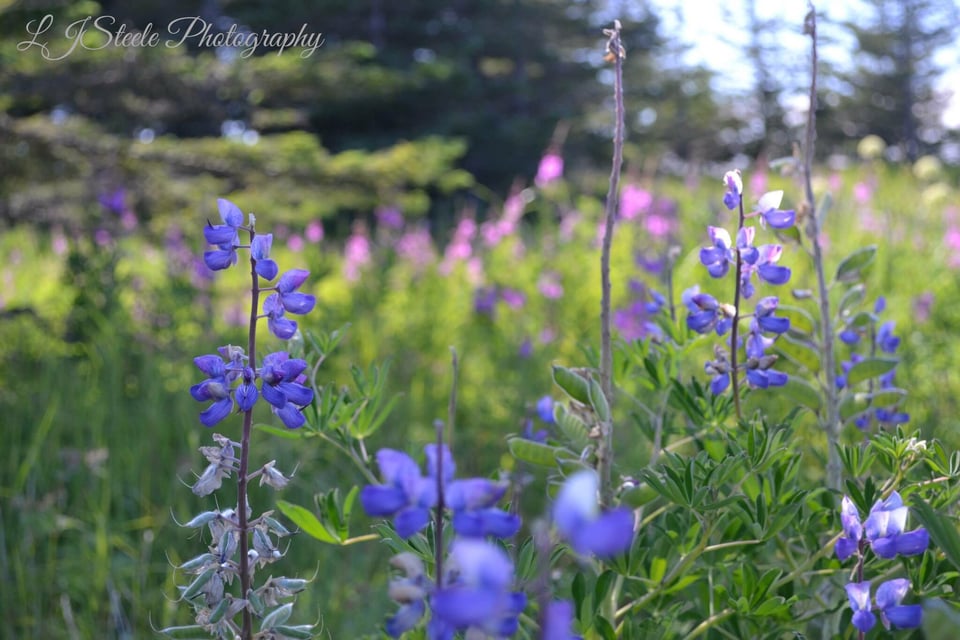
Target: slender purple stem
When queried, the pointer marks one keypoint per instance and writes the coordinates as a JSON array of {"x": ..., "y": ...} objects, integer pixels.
[
  {"x": 247, "y": 631},
  {"x": 605, "y": 448}
]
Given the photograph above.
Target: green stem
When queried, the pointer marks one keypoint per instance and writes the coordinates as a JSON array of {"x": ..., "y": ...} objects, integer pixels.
[{"x": 678, "y": 568}]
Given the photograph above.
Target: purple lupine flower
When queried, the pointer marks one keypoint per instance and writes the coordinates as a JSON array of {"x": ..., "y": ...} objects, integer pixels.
[
  {"x": 770, "y": 214},
  {"x": 474, "y": 515},
  {"x": 410, "y": 590},
  {"x": 526, "y": 348},
  {"x": 529, "y": 434},
  {"x": 887, "y": 342},
  {"x": 759, "y": 373},
  {"x": 850, "y": 336},
  {"x": 389, "y": 217},
  {"x": 216, "y": 387},
  {"x": 225, "y": 236},
  {"x": 260, "y": 252},
  {"x": 283, "y": 387},
  {"x": 576, "y": 513},
  {"x": 707, "y": 314},
  {"x": 479, "y": 594},
  {"x": 720, "y": 370},
  {"x": 889, "y": 596},
  {"x": 763, "y": 263},
  {"x": 246, "y": 393},
  {"x": 765, "y": 318},
  {"x": 557, "y": 621},
  {"x": 485, "y": 301},
  {"x": 859, "y": 595},
  {"x": 734, "y": 184},
  {"x": 880, "y": 305},
  {"x": 287, "y": 298},
  {"x": 545, "y": 409},
  {"x": 718, "y": 257},
  {"x": 849, "y": 543},
  {"x": 884, "y": 529},
  {"x": 406, "y": 495}
]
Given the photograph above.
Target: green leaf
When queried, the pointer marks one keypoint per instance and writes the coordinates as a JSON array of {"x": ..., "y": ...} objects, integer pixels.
[
  {"x": 190, "y": 632},
  {"x": 598, "y": 400},
  {"x": 800, "y": 320},
  {"x": 532, "y": 452},
  {"x": 942, "y": 531},
  {"x": 869, "y": 368},
  {"x": 280, "y": 432},
  {"x": 604, "y": 583},
  {"x": 852, "y": 298},
  {"x": 771, "y": 606},
  {"x": 799, "y": 351},
  {"x": 604, "y": 628},
  {"x": 571, "y": 426},
  {"x": 575, "y": 385},
  {"x": 852, "y": 267},
  {"x": 307, "y": 521},
  {"x": 802, "y": 392},
  {"x": 578, "y": 589},
  {"x": 940, "y": 620},
  {"x": 658, "y": 569}
]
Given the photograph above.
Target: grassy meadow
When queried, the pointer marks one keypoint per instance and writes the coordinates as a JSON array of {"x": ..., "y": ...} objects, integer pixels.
[{"x": 98, "y": 333}]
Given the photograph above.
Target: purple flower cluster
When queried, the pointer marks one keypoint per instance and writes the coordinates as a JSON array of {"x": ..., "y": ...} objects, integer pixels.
[
  {"x": 407, "y": 496},
  {"x": 231, "y": 380},
  {"x": 637, "y": 320},
  {"x": 883, "y": 532},
  {"x": 476, "y": 593},
  {"x": 707, "y": 314},
  {"x": 877, "y": 338}
]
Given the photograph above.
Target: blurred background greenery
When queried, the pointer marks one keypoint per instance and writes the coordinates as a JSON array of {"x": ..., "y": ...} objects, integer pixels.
[{"x": 398, "y": 164}]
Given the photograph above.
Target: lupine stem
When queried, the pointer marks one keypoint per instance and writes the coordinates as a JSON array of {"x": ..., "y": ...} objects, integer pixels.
[
  {"x": 247, "y": 631},
  {"x": 734, "y": 379},
  {"x": 605, "y": 447},
  {"x": 832, "y": 424},
  {"x": 438, "y": 425}
]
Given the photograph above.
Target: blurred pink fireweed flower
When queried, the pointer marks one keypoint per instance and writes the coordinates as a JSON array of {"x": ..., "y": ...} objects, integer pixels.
[
  {"x": 460, "y": 247},
  {"x": 416, "y": 247},
  {"x": 862, "y": 192},
  {"x": 634, "y": 201},
  {"x": 758, "y": 181},
  {"x": 58, "y": 241},
  {"x": 314, "y": 231},
  {"x": 295, "y": 243},
  {"x": 550, "y": 169},
  {"x": 356, "y": 253},
  {"x": 514, "y": 298},
  {"x": 549, "y": 285}
]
